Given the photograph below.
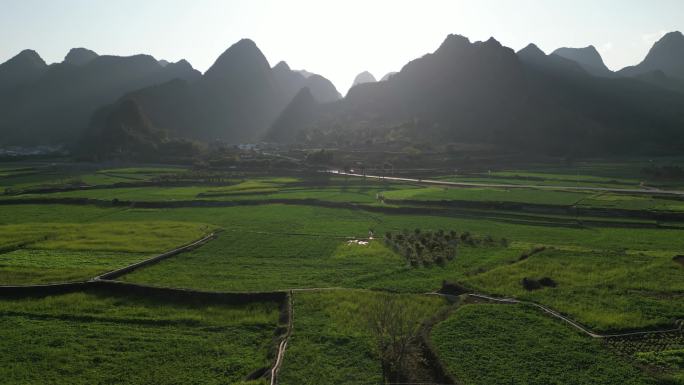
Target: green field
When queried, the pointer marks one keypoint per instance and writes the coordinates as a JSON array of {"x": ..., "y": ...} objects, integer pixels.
[
  {"x": 32, "y": 253},
  {"x": 512, "y": 344},
  {"x": 611, "y": 273},
  {"x": 309, "y": 255},
  {"x": 518, "y": 195},
  {"x": 26, "y": 176},
  {"x": 95, "y": 338},
  {"x": 605, "y": 290},
  {"x": 335, "y": 190},
  {"x": 331, "y": 343},
  {"x": 625, "y": 173}
]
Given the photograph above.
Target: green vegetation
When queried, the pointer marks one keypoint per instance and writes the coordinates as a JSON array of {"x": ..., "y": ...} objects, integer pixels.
[
  {"x": 605, "y": 290},
  {"x": 512, "y": 344},
  {"x": 55, "y": 252},
  {"x": 94, "y": 338},
  {"x": 673, "y": 359},
  {"x": 57, "y": 175},
  {"x": 332, "y": 342},
  {"x": 261, "y": 261},
  {"x": 142, "y": 237},
  {"x": 587, "y": 263},
  {"x": 258, "y": 189},
  {"x": 519, "y": 195},
  {"x": 24, "y": 267},
  {"x": 661, "y": 353},
  {"x": 610, "y": 273}
]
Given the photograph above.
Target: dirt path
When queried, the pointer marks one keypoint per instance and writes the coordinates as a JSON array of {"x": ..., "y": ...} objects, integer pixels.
[{"x": 283, "y": 344}]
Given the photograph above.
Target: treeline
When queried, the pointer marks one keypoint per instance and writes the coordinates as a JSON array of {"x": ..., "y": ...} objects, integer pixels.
[{"x": 429, "y": 248}]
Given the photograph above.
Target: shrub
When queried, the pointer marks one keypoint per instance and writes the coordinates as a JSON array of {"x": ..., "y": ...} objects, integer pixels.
[
  {"x": 452, "y": 288},
  {"x": 533, "y": 284},
  {"x": 530, "y": 284}
]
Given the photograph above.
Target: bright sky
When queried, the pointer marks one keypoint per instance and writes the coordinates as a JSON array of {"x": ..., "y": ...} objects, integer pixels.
[{"x": 337, "y": 39}]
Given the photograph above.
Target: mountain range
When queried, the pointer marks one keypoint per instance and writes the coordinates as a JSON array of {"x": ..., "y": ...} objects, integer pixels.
[
  {"x": 483, "y": 92},
  {"x": 235, "y": 100},
  {"x": 564, "y": 102},
  {"x": 42, "y": 103}
]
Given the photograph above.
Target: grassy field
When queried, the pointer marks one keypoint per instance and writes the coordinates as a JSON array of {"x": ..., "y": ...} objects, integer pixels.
[
  {"x": 22, "y": 176},
  {"x": 662, "y": 354},
  {"x": 246, "y": 261},
  {"x": 298, "y": 246},
  {"x": 243, "y": 261},
  {"x": 557, "y": 178},
  {"x": 251, "y": 189},
  {"x": 604, "y": 200},
  {"x": 352, "y": 190},
  {"x": 94, "y": 338},
  {"x": 605, "y": 290},
  {"x": 590, "y": 173},
  {"x": 607, "y": 277},
  {"x": 511, "y": 344},
  {"x": 27, "y": 266},
  {"x": 588, "y": 263},
  {"x": 331, "y": 342},
  {"x": 47, "y": 252},
  {"x": 519, "y": 195}
]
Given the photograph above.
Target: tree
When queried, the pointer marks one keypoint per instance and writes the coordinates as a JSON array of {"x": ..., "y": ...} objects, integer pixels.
[{"x": 394, "y": 325}]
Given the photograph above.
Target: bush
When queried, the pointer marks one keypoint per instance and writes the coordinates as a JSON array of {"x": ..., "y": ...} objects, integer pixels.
[
  {"x": 530, "y": 284},
  {"x": 452, "y": 288}
]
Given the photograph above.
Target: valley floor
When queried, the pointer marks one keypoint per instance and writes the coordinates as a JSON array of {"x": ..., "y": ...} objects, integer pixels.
[{"x": 299, "y": 260}]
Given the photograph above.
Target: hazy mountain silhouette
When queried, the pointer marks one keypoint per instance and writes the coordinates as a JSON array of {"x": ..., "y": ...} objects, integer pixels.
[
  {"x": 658, "y": 78},
  {"x": 300, "y": 109},
  {"x": 666, "y": 55},
  {"x": 364, "y": 77},
  {"x": 53, "y": 104},
  {"x": 533, "y": 56},
  {"x": 236, "y": 100},
  {"x": 238, "y": 95},
  {"x": 304, "y": 73},
  {"x": 469, "y": 92},
  {"x": 23, "y": 68},
  {"x": 293, "y": 81},
  {"x": 122, "y": 129},
  {"x": 388, "y": 75},
  {"x": 79, "y": 56},
  {"x": 484, "y": 92},
  {"x": 588, "y": 57}
]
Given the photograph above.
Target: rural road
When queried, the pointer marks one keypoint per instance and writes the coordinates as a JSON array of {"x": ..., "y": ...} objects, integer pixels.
[{"x": 649, "y": 191}]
